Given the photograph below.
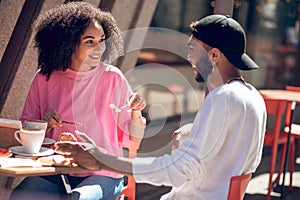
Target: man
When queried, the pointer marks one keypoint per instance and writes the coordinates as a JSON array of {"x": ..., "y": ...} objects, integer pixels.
[{"x": 226, "y": 138}]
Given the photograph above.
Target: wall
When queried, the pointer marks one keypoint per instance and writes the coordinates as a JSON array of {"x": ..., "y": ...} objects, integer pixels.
[{"x": 19, "y": 58}]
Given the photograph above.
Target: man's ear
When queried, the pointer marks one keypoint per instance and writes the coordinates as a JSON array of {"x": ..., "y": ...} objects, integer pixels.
[{"x": 215, "y": 55}]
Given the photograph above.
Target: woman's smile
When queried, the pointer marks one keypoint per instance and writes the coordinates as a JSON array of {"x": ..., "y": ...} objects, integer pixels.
[
  {"x": 95, "y": 56},
  {"x": 91, "y": 48}
]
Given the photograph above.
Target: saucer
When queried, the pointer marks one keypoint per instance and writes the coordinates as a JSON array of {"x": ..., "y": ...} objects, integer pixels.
[
  {"x": 5, "y": 152},
  {"x": 43, "y": 151},
  {"x": 48, "y": 141}
]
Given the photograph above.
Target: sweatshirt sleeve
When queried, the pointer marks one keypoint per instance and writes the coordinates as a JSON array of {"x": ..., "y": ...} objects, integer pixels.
[
  {"x": 32, "y": 109},
  {"x": 186, "y": 163}
]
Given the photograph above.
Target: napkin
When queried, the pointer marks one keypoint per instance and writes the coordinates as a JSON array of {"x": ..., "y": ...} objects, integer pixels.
[{"x": 19, "y": 162}]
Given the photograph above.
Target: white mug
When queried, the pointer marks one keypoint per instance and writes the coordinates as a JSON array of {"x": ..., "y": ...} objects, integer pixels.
[
  {"x": 35, "y": 124},
  {"x": 31, "y": 139}
]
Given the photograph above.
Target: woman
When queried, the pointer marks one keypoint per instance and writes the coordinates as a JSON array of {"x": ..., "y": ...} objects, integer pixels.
[{"x": 74, "y": 84}]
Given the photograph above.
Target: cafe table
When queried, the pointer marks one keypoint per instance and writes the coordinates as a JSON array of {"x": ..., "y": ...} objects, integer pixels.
[
  {"x": 41, "y": 171},
  {"x": 293, "y": 97},
  {"x": 45, "y": 170}
]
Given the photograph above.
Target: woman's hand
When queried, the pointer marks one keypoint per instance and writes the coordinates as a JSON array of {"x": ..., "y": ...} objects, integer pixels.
[
  {"x": 53, "y": 118},
  {"x": 136, "y": 102}
]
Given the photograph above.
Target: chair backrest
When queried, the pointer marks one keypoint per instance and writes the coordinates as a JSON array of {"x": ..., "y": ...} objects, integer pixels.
[
  {"x": 7, "y": 137},
  {"x": 7, "y": 132},
  {"x": 129, "y": 189},
  {"x": 292, "y": 88},
  {"x": 238, "y": 186},
  {"x": 275, "y": 108}
]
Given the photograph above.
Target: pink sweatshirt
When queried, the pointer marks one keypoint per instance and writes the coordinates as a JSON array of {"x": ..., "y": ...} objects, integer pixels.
[{"x": 84, "y": 97}]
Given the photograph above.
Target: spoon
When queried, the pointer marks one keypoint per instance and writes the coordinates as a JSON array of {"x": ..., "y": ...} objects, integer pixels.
[{"x": 116, "y": 108}]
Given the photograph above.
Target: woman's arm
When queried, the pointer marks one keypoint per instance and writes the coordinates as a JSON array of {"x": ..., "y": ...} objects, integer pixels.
[{"x": 138, "y": 122}]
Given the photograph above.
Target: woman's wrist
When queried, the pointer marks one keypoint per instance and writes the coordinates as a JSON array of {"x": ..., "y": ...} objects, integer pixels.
[{"x": 136, "y": 114}]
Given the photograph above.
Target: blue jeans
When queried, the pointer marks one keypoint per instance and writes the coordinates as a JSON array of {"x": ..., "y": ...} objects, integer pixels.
[{"x": 83, "y": 188}]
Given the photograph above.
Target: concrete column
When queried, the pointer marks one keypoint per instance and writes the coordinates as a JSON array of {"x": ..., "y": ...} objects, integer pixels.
[
  {"x": 9, "y": 10},
  {"x": 130, "y": 14},
  {"x": 224, "y": 7},
  {"x": 18, "y": 58}
]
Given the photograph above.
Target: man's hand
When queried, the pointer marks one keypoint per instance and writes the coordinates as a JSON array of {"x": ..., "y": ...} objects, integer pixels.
[
  {"x": 179, "y": 134},
  {"x": 176, "y": 139},
  {"x": 81, "y": 156}
]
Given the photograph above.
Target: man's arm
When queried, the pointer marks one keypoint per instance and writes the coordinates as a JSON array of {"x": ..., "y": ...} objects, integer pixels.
[
  {"x": 119, "y": 165},
  {"x": 94, "y": 158}
]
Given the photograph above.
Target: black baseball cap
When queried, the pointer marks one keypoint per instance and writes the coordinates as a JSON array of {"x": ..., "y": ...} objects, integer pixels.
[{"x": 228, "y": 36}]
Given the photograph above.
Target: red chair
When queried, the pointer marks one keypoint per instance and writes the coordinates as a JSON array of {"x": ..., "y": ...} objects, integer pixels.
[
  {"x": 129, "y": 190},
  {"x": 238, "y": 186},
  {"x": 295, "y": 134},
  {"x": 274, "y": 137}
]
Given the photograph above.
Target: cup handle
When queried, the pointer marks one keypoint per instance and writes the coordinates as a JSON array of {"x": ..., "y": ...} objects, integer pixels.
[{"x": 17, "y": 136}]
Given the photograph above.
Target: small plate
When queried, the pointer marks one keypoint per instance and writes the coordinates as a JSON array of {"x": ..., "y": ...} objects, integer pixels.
[
  {"x": 86, "y": 145},
  {"x": 43, "y": 151},
  {"x": 5, "y": 153},
  {"x": 48, "y": 141}
]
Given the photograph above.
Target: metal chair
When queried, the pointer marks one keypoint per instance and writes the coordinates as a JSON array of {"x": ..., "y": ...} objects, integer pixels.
[
  {"x": 295, "y": 134},
  {"x": 274, "y": 137},
  {"x": 129, "y": 189},
  {"x": 238, "y": 186},
  {"x": 295, "y": 130}
]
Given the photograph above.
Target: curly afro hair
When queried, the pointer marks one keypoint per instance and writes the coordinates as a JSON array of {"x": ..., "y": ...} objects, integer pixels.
[{"x": 58, "y": 33}]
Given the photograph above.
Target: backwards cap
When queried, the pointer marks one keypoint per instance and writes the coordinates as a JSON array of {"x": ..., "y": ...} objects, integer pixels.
[{"x": 228, "y": 36}]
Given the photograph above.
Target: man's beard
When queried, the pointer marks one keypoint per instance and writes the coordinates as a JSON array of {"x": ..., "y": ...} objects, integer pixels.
[
  {"x": 203, "y": 72},
  {"x": 199, "y": 78},
  {"x": 204, "y": 67}
]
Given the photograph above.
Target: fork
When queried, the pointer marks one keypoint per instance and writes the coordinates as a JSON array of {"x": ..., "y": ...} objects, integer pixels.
[{"x": 75, "y": 123}]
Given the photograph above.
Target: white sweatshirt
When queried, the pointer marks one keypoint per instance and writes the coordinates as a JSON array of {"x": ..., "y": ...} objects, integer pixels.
[{"x": 226, "y": 140}]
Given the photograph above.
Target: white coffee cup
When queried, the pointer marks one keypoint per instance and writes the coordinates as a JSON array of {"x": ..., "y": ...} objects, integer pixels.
[
  {"x": 31, "y": 139},
  {"x": 35, "y": 124}
]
